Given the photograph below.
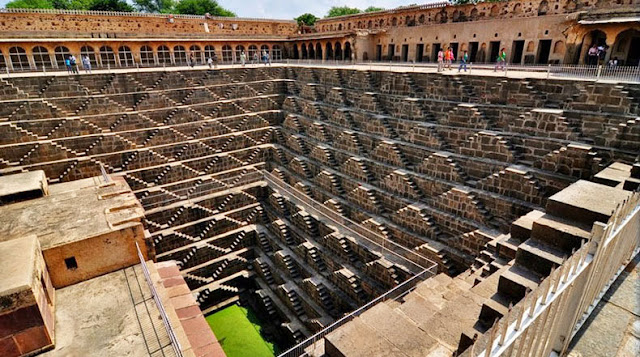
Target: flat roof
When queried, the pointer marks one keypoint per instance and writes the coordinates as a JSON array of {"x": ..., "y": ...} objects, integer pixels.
[
  {"x": 103, "y": 317},
  {"x": 17, "y": 264},
  {"x": 73, "y": 211}
]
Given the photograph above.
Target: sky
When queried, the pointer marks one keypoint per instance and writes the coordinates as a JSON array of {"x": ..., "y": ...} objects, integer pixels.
[{"x": 288, "y": 9}]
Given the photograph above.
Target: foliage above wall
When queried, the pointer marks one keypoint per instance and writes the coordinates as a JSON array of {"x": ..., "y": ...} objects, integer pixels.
[{"x": 188, "y": 7}]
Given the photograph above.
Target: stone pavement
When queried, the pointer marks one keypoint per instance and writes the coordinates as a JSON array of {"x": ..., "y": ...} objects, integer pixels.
[{"x": 613, "y": 329}]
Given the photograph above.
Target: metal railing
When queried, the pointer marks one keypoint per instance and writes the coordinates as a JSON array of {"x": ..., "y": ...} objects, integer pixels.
[
  {"x": 163, "y": 314},
  {"x": 547, "y": 318},
  {"x": 317, "y": 340},
  {"x": 358, "y": 230}
]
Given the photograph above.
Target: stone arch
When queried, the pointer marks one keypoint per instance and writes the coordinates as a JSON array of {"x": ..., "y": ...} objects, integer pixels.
[
  {"x": 164, "y": 56},
  {"x": 474, "y": 14},
  {"x": 517, "y": 9},
  {"x": 311, "y": 51},
  {"x": 146, "y": 56},
  {"x": 370, "y": 24},
  {"x": 197, "y": 54},
  {"x": 62, "y": 52},
  {"x": 41, "y": 58},
  {"x": 19, "y": 59},
  {"x": 209, "y": 52},
  {"x": 227, "y": 54},
  {"x": 107, "y": 56},
  {"x": 347, "y": 51},
  {"x": 303, "y": 51},
  {"x": 495, "y": 11},
  {"x": 381, "y": 23},
  {"x": 239, "y": 50},
  {"x": 179, "y": 55},
  {"x": 530, "y": 46},
  {"x": 126, "y": 56},
  {"x": 626, "y": 47},
  {"x": 543, "y": 8},
  {"x": 276, "y": 53},
  {"x": 253, "y": 49},
  {"x": 319, "y": 51},
  {"x": 339, "y": 27},
  {"x": 394, "y": 21},
  {"x": 338, "y": 51},
  {"x": 558, "y": 48},
  {"x": 328, "y": 53},
  {"x": 296, "y": 53},
  {"x": 84, "y": 51}
]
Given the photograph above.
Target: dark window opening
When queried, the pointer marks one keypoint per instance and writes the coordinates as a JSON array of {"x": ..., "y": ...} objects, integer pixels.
[{"x": 71, "y": 263}]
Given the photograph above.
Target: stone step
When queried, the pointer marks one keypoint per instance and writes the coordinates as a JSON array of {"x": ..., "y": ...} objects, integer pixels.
[
  {"x": 539, "y": 257},
  {"x": 586, "y": 202},
  {"x": 521, "y": 227},
  {"x": 515, "y": 281},
  {"x": 494, "y": 308},
  {"x": 560, "y": 233}
]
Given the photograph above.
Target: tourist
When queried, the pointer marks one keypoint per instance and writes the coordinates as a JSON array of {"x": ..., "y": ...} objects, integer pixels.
[
  {"x": 613, "y": 62},
  {"x": 192, "y": 60},
  {"x": 256, "y": 60},
  {"x": 243, "y": 58},
  {"x": 440, "y": 60},
  {"x": 449, "y": 58},
  {"x": 602, "y": 52},
  {"x": 264, "y": 57},
  {"x": 593, "y": 55},
  {"x": 463, "y": 61},
  {"x": 268, "y": 59},
  {"x": 67, "y": 63},
  {"x": 215, "y": 60},
  {"x": 210, "y": 62},
  {"x": 74, "y": 64},
  {"x": 86, "y": 63},
  {"x": 501, "y": 61}
]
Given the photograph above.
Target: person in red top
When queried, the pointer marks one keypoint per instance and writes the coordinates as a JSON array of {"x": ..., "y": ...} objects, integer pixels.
[{"x": 449, "y": 58}]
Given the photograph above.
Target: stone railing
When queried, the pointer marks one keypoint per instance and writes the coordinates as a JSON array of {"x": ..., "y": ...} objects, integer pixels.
[
  {"x": 135, "y": 14},
  {"x": 546, "y": 320}
]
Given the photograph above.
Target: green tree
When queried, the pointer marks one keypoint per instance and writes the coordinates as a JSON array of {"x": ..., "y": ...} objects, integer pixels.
[
  {"x": 373, "y": 8},
  {"x": 161, "y": 6},
  {"x": 201, "y": 7},
  {"x": 342, "y": 10},
  {"x": 80, "y": 4},
  {"x": 111, "y": 5},
  {"x": 29, "y": 4},
  {"x": 306, "y": 19}
]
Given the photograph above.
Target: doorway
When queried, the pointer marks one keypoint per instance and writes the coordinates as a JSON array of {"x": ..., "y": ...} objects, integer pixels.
[
  {"x": 633, "y": 58},
  {"x": 473, "y": 51},
  {"x": 494, "y": 50},
  {"x": 454, "y": 48},
  {"x": 544, "y": 49},
  {"x": 405, "y": 53},
  {"x": 391, "y": 51},
  {"x": 419, "y": 52},
  {"x": 379, "y": 53},
  {"x": 518, "y": 50},
  {"x": 436, "y": 49}
]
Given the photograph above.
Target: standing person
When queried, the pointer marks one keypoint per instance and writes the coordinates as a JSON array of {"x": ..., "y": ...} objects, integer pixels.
[
  {"x": 74, "y": 64},
  {"x": 463, "y": 61},
  {"x": 243, "y": 58},
  {"x": 440, "y": 60},
  {"x": 449, "y": 58},
  {"x": 264, "y": 57},
  {"x": 67, "y": 62},
  {"x": 593, "y": 55},
  {"x": 256, "y": 60},
  {"x": 501, "y": 60},
  {"x": 268, "y": 59},
  {"x": 215, "y": 61},
  {"x": 210, "y": 62},
  {"x": 86, "y": 63},
  {"x": 192, "y": 60}
]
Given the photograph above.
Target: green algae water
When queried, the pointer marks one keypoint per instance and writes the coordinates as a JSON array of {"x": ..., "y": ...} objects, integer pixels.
[{"x": 238, "y": 331}]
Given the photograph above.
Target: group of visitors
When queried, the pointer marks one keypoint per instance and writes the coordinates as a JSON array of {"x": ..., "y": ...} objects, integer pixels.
[
  {"x": 446, "y": 58},
  {"x": 72, "y": 64},
  {"x": 266, "y": 59},
  {"x": 596, "y": 54}
]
